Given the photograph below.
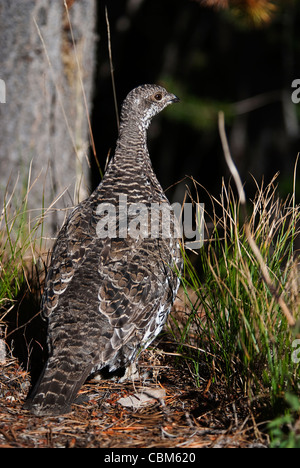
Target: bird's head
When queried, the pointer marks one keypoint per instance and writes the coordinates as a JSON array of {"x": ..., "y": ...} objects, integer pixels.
[{"x": 145, "y": 101}]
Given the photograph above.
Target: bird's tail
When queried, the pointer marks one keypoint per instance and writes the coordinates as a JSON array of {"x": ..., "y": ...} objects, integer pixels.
[{"x": 57, "y": 388}]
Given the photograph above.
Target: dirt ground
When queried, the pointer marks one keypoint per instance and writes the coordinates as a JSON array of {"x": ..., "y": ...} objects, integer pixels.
[{"x": 181, "y": 416}]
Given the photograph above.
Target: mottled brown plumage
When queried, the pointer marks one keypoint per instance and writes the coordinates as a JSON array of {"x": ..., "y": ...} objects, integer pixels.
[{"x": 107, "y": 298}]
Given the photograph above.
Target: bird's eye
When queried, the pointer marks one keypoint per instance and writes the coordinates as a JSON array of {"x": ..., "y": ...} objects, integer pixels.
[{"x": 158, "y": 97}]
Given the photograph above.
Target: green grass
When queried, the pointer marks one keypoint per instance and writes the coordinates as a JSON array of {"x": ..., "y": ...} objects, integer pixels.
[
  {"x": 233, "y": 321},
  {"x": 285, "y": 429},
  {"x": 20, "y": 239}
]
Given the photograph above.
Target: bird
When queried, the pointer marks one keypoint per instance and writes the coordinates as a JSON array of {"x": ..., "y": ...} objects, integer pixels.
[{"x": 110, "y": 284}]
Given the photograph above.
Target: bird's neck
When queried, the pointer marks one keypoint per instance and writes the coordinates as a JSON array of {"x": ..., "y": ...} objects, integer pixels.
[
  {"x": 131, "y": 165},
  {"x": 132, "y": 142},
  {"x": 131, "y": 159}
]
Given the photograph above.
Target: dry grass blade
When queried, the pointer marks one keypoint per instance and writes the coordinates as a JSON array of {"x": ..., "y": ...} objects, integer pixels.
[
  {"x": 82, "y": 88},
  {"x": 111, "y": 67},
  {"x": 251, "y": 241},
  {"x": 58, "y": 92}
]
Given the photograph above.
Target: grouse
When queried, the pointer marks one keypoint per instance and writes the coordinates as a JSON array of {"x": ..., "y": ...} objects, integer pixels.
[{"x": 114, "y": 267}]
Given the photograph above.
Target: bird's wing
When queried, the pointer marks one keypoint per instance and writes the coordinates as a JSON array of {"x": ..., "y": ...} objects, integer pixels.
[
  {"x": 75, "y": 240},
  {"x": 135, "y": 294},
  {"x": 128, "y": 278},
  {"x": 116, "y": 302}
]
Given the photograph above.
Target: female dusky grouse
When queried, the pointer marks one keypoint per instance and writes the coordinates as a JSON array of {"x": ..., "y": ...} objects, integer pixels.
[{"x": 114, "y": 268}]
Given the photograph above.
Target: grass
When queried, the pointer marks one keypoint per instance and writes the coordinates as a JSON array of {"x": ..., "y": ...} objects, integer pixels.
[
  {"x": 232, "y": 314},
  {"x": 284, "y": 430},
  {"x": 20, "y": 240}
]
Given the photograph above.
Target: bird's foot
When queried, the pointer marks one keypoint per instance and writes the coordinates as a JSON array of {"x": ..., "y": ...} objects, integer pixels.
[{"x": 131, "y": 373}]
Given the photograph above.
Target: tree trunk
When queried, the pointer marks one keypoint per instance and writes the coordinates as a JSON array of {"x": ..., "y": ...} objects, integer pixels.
[{"x": 44, "y": 117}]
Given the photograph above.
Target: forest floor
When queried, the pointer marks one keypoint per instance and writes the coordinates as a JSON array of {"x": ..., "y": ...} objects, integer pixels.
[{"x": 179, "y": 415}]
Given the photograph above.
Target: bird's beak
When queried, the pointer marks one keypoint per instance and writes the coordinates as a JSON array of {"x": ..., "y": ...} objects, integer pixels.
[{"x": 174, "y": 98}]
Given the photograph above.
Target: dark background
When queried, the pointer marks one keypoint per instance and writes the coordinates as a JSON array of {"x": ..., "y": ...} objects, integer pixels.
[{"x": 213, "y": 60}]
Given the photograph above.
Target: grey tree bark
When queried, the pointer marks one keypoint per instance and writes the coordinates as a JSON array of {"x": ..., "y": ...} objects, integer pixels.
[{"x": 44, "y": 118}]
